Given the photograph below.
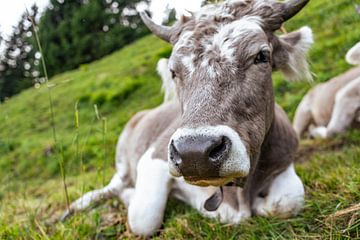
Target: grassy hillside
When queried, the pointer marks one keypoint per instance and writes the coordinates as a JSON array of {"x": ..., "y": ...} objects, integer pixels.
[{"x": 31, "y": 191}]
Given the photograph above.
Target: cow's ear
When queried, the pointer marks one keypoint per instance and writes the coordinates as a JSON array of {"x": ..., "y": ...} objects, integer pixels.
[
  {"x": 290, "y": 54},
  {"x": 353, "y": 55}
]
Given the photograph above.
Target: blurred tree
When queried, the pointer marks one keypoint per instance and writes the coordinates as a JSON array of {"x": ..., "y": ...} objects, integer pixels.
[
  {"x": 80, "y": 31},
  {"x": 20, "y": 62}
]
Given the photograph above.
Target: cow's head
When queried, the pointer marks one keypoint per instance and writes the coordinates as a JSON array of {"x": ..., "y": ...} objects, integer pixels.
[{"x": 222, "y": 62}]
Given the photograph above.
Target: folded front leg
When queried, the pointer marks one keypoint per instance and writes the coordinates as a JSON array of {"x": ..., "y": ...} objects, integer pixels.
[
  {"x": 285, "y": 197},
  {"x": 347, "y": 104},
  {"x": 148, "y": 202}
]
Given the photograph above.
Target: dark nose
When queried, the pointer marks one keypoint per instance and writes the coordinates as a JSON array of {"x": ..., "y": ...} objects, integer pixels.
[{"x": 199, "y": 156}]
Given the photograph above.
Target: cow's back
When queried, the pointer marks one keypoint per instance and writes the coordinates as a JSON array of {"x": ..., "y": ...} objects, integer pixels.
[{"x": 323, "y": 95}]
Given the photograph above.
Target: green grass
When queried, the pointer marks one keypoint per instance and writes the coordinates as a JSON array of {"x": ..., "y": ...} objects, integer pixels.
[{"x": 31, "y": 191}]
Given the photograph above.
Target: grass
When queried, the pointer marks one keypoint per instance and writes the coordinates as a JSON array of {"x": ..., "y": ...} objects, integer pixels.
[{"x": 31, "y": 190}]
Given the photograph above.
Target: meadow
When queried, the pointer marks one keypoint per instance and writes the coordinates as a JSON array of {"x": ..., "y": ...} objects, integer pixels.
[{"x": 39, "y": 149}]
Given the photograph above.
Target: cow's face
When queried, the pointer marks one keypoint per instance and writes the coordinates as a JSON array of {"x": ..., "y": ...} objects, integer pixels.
[{"x": 222, "y": 62}]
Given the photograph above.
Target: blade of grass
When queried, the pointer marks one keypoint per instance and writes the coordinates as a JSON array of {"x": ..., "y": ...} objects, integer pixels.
[
  {"x": 103, "y": 131},
  {"x": 51, "y": 106}
]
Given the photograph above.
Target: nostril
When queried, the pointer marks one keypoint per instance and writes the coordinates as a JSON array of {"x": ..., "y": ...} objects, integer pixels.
[
  {"x": 172, "y": 150},
  {"x": 219, "y": 149},
  {"x": 174, "y": 155}
]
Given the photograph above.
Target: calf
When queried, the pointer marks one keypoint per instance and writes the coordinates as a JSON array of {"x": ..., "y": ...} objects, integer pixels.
[
  {"x": 333, "y": 106},
  {"x": 220, "y": 126}
]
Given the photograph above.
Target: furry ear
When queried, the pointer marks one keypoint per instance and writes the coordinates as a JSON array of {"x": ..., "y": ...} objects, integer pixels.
[
  {"x": 353, "y": 55},
  {"x": 290, "y": 54},
  {"x": 168, "y": 85}
]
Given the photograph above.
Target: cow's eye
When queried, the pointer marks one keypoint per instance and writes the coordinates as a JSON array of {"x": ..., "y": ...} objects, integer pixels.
[
  {"x": 262, "y": 57},
  {"x": 173, "y": 74}
]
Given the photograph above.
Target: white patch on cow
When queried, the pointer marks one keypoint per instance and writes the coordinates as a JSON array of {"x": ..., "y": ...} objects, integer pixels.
[
  {"x": 353, "y": 55},
  {"x": 319, "y": 132},
  {"x": 126, "y": 196},
  {"x": 223, "y": 42},
  {"x": 196, "y": 196},
  {"x": 212, "y": 10},
  {"x": 113, "y": 189},
  {"x": 347, "y": 104},
  {"x": 297, "y": 66},
  {"x": 232, "y": 32},
  {"x": 147, "y": 205},
  {"x": 168, "y": 85},
  {"x": 183, "y": 41},
  {"x": 285, "y": 198},
  {"x": 238, "y": 162},
  {"x": 188, "y": 62}
]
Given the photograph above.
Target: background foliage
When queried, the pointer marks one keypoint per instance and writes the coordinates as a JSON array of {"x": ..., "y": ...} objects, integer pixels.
[
  {"x": 121, "y": 84},
  {"x": 72, "y": 33}
]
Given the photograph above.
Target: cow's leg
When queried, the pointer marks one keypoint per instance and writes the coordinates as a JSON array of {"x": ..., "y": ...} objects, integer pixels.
[
  {"x": 231, "y": 211},
  {"x": 303, "y": 116},
  {"x": 347, "y": 102},
  {"x": 148, "y": 202},
  {"x": 113, "y": 189},
  {"x": 285, "y": 197}
]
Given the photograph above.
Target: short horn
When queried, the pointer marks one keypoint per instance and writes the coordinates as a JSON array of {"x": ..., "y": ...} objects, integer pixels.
[
  {"x": 162, "y": 32},
  {"x": 292, "y": 7}
]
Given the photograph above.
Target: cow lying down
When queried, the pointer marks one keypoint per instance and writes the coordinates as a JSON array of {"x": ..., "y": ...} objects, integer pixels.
[
  {"x": 334, "y": 106},
  {"x": 221, "y": 125}
]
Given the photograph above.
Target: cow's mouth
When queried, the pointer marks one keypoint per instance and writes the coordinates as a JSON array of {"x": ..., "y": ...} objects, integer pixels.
[
  {"x": 232, "y": 180},
  {"x": 210, "y": 181}
]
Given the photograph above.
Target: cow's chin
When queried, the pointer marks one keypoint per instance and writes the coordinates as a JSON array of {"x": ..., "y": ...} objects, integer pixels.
[{"x": 205, "y": 182}]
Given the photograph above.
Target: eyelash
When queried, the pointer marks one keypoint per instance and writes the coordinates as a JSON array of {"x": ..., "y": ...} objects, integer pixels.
[{"x": 262, "y": 57}]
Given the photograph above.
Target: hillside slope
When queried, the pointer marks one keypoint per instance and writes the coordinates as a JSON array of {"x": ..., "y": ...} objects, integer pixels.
[{"x": 121, "y": 84}]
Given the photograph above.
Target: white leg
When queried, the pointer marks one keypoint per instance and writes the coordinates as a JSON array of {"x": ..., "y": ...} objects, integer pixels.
[
  {"x": 113, "y": 189},
  {"x": 148, "y": 202},
  {"x": 285, "y": 197},
  {"x": 196, "y": 196},
  {"x": 229, "y": 214},
  {"x": 347, "y": 102},
  {"x": 319, "y": 132},
  {"x": 303, "y": 116}
]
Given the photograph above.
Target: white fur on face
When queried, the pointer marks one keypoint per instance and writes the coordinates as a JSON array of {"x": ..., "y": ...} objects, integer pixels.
[
  {"x": 168, "y": 85},
  {"x": 230, "y": 33},
  {"x": 238, "y": 162},
  {"x": 353, "y": 55},
  {"x": 223, "y": 42},
  {"x": 285, "y": 198}
]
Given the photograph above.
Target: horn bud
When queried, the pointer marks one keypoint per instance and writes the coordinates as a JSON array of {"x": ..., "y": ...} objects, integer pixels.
[{"x": 162, "y": 32}]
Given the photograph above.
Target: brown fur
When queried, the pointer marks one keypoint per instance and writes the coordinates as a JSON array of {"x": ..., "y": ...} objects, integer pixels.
[{"x": 277, "y": 151}]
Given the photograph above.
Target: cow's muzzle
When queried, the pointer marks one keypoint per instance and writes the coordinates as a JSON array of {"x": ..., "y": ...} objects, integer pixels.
[{"x": 212, "y": 155}]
